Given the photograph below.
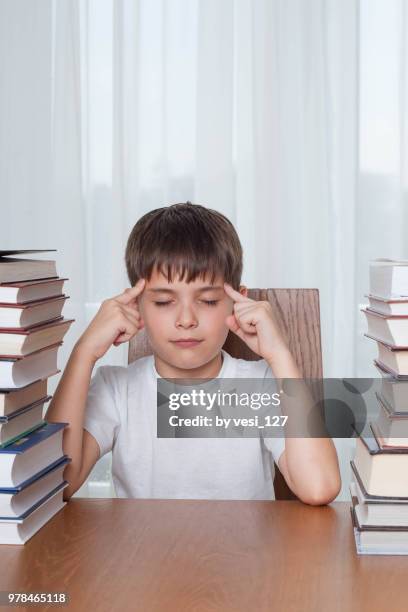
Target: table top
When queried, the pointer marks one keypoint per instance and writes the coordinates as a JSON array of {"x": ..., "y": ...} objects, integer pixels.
[{"x": 131, "y": 554}]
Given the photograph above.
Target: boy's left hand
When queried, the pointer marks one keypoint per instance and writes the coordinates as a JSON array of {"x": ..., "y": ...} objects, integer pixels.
[{"x": 254, "y": 323}]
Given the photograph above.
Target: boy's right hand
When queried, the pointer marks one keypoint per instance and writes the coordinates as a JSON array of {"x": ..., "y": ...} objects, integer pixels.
[{"x": 117, "y": 321}]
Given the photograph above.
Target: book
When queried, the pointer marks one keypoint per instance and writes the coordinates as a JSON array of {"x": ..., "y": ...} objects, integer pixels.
[
  {"x": 20, "y": 530},
  {"x": 28, "y": 481},
  {"x": 20, "y": 371},
  {"x": 9, "y": 417},
  {"x": 390, "y": 372},
  {"x": 22, "y": 342},
  {"x": 21, "y": 423},
  {"x": 29, "y": 456},
  {"x": 6, "y": 253},
  {"x": 14, "y": 269},
  {"x": 380, "y": 511},
  {"x": 24, "y": 316},
  {"x": 392, "y": 360},
  {"x": 389, "y": 442},
  {"x": 390, "y": 430},
  {"x": 389, "y": 278},
  {"x": 379, "y": 483},
  {"x": 32, "y": 460},
  {"x": 390, "y": 329},
  {"x": 379, "y": 540},
  {"x": 15, "y": 399},
  {"x": 24, "y": 292},
  {"x": 394, "y": 394},
  {"x": 383, "y": 472},
  {"x": 396, "y": 306},
  {"x": 16, "y": 502}
]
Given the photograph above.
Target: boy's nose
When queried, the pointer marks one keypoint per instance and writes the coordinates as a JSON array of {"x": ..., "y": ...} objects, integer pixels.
[{"x": 186, "y": 318}]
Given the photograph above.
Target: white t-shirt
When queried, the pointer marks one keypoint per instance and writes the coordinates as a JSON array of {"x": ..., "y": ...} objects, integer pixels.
[{"x": 121, "y": 414}]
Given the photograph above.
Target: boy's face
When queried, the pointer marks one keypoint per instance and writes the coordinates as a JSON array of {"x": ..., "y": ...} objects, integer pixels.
[{"x": 177, "y": 311}]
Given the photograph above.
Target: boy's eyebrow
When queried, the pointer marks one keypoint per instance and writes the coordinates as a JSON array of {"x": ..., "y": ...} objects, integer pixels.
[{"x": 200, "y": 290}]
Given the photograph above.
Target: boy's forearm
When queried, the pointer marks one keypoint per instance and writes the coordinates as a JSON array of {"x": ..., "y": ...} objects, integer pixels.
[
  {"x": 311, "y": 462},
  {"x": 68, "y": 405},
  {"x": 313, "y": 467}
]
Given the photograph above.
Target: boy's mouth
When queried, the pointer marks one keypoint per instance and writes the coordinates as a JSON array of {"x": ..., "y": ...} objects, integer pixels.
[{"x": 186, "y": 342}]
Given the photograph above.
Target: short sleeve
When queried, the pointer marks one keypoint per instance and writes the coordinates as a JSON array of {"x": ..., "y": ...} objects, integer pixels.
[
  {"x": 275, "y": 445},
  {"x": 101, "y": 417}
]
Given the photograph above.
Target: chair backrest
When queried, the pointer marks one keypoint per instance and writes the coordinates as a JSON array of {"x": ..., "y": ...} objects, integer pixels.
[{"x": 297, "y": 313}]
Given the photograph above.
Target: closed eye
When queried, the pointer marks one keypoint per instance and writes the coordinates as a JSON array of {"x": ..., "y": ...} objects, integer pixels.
[{"x": 208, "y": 302}]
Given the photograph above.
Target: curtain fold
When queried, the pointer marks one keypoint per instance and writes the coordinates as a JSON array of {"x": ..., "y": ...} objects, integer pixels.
[
  {"x": 381, "y": 217},
  {"x": 249, "y": 107}
]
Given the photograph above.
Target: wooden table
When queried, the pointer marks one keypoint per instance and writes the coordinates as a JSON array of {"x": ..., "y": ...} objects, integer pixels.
[{"x": 165, "y": 555}]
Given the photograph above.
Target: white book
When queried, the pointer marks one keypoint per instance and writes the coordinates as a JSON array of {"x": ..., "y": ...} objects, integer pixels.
[
  {"x": 389, "y": 278},
  {"x": 394, "y": 361},
  {"x": 388, "y": 307},
  {"x": 19, "y": 372},
  {"x": 390, "y": 329},
  {"x": 23, "y": 316},
  {"x": 390, "y": 430},
  {"x": 379, "y": 541},
  {"x": 382, "y": 472},
  {"x": 16, "y": 502},
  {"x": 383, "y": 368},
  {"x": 19, "y": 531},
  {"x": 385, "y": 521},
  {"x": 373, "y": 510},
  {"x": 30, "y": 455},
  {"x": 29, "y": 291},
  {"x": 20, "y": 342},
  {"x": 394, "y": 394}
]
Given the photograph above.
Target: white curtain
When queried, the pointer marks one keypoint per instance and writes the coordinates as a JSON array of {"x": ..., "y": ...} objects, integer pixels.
[
  {"x": 382, "y": 211},
  {"x": 289, "y": 116}
]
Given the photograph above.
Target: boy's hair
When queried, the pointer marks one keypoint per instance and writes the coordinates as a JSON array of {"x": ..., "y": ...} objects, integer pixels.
[{"x": 186, "y": 240}]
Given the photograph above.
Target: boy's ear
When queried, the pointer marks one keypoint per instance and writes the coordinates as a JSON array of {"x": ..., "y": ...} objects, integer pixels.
[{"x": 243, "y": 290}]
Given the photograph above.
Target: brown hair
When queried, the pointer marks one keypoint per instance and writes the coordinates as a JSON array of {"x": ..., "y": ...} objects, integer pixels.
[{"x": 184, "y": 239}]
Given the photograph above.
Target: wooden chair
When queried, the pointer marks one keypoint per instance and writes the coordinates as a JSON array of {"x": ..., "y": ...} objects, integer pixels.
[{"x": 298, "y": 314}]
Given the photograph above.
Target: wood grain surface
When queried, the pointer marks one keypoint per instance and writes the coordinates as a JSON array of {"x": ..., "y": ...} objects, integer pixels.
[{"x": 187, "y": 555}]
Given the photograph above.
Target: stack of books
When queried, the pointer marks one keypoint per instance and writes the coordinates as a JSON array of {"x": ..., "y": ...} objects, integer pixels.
[
  {"x": 32, "y": 461},
  {"x": 379, "y": 483}
]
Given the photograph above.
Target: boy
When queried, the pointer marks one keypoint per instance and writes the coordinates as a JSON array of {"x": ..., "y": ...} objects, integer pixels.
[{"x": 184, "y": 263}]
